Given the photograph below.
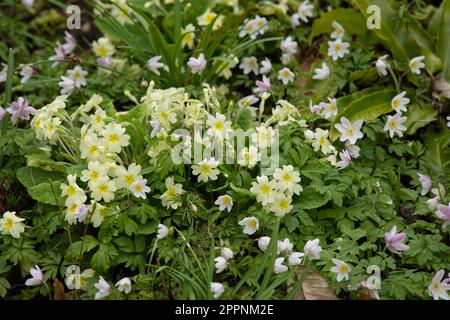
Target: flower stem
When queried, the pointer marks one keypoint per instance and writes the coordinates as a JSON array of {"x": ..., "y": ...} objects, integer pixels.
[
  {"x": 151, "y": 256},
  {"x": 60, "y": 211},
  {"x": 394, "y": 77},
  {"x": 299, "y": 283}
]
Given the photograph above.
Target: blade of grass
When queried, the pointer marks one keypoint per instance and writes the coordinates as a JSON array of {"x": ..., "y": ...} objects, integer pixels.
[
  {"x": 8, "y": 88},
  {"x": 9, "y": 79},
  {"x": 210, "y": 265},
  {"x": 177, "y": 23},
  {"x": 299, "y": 283},
  {"x": 269, "y": 259},
  {"x": 267, "y": 293}
]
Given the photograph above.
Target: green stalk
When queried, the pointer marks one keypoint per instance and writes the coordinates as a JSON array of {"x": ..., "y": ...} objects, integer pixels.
[
  {"x": 269, "y": 259},
  {"x": 8, "y": 89},
  {"x": 193, "y": 254},
  {"x": 394, "y": 77},
  {"x": 62, "y": 214},
  {"x": 299, "y": 283},
  {"x": 151, "y": 255}
]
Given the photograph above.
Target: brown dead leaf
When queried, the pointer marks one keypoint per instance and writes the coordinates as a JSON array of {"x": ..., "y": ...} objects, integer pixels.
[
  {"x": 364, "y": 295},
  {"x": 314, "y": 287},
  {"x": 58, "y": 291}
]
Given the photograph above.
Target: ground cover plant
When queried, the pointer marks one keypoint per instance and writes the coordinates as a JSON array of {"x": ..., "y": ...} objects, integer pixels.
[{"x": 224, "y": 149}]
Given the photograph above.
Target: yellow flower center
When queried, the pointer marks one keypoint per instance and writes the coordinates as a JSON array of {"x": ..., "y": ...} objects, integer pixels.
[
  {"x": 343, "y": 269},
  {"x": 8, "y": 224},
  {"x": 138, "y": 188},
  {"x": 350, "y": 131},
  {"x": 77, "y": 75},
  {"x": 70, "y": 190},
  {"x": 338, "y": 47},
  {"x": 252, "y": 223},
  {"x": 103, "y": 188},
  {"x": 265, "y": 188},
  {"x": 94, "y": 175},
  {"x": 218, "y": 125},
  {"x": 82, "y": 281},
  {"x": 205, "y": 169},
  {"x": 101, "y": 212},
  {"x": 226, "y": 200},
  {"x": 287, "y": 177},
  {"x": 170, "y": 192},
  {"x": 210, "y": 17},
  {"x": 113, "y": 138},
  {"x": 396, "y": 103},
  {"x": 73, "y": 209},
  {"x": 129, "y": 179},
  {"x": 102, "y": 51},
  {"x": 164, "y": 115},
  {"x": 284, "y": 204},
  {"x": 187, "y": 38},
  {"x": 50, "y": 127}
]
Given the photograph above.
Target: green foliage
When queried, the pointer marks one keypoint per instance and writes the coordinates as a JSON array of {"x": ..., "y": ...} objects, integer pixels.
[
  {"x": 393, "y": 34},
  {"x": 442, "y": 46},
  {"x": 349, "y": 209},
  {"x": 350, "y": 19}
]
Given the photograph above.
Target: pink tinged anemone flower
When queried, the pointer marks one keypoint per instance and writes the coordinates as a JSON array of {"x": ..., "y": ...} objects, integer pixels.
[
  {"x": 105, "y": 62},
  {"x": 153, "y": 64},
  {"x": 156, "y": 126},
  {"x": 197, "y": 64},
  {"x": 443, "y": 212},
  {"x": 81, "y": 214},
  {"x": 70, "y": 44},
  {"x": 263, "y": 85},
  {"x": 103, "y": 288},
  {"x": 394, "y": 240},
  {"x": 314, "y": 108},
  {"x": 67, "y": 85},
  {"x": 346, "y": 159},
  {"x": 426, "y": 183},
  {"x": 21, "y": 110},
  {"x": 373, "y": 292},
  {"x": 433, "y": 202},
  {"x": 59, "y": 56},
  {"x": 36, "y": 277},
  {"x": 438, "y": 288}
]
